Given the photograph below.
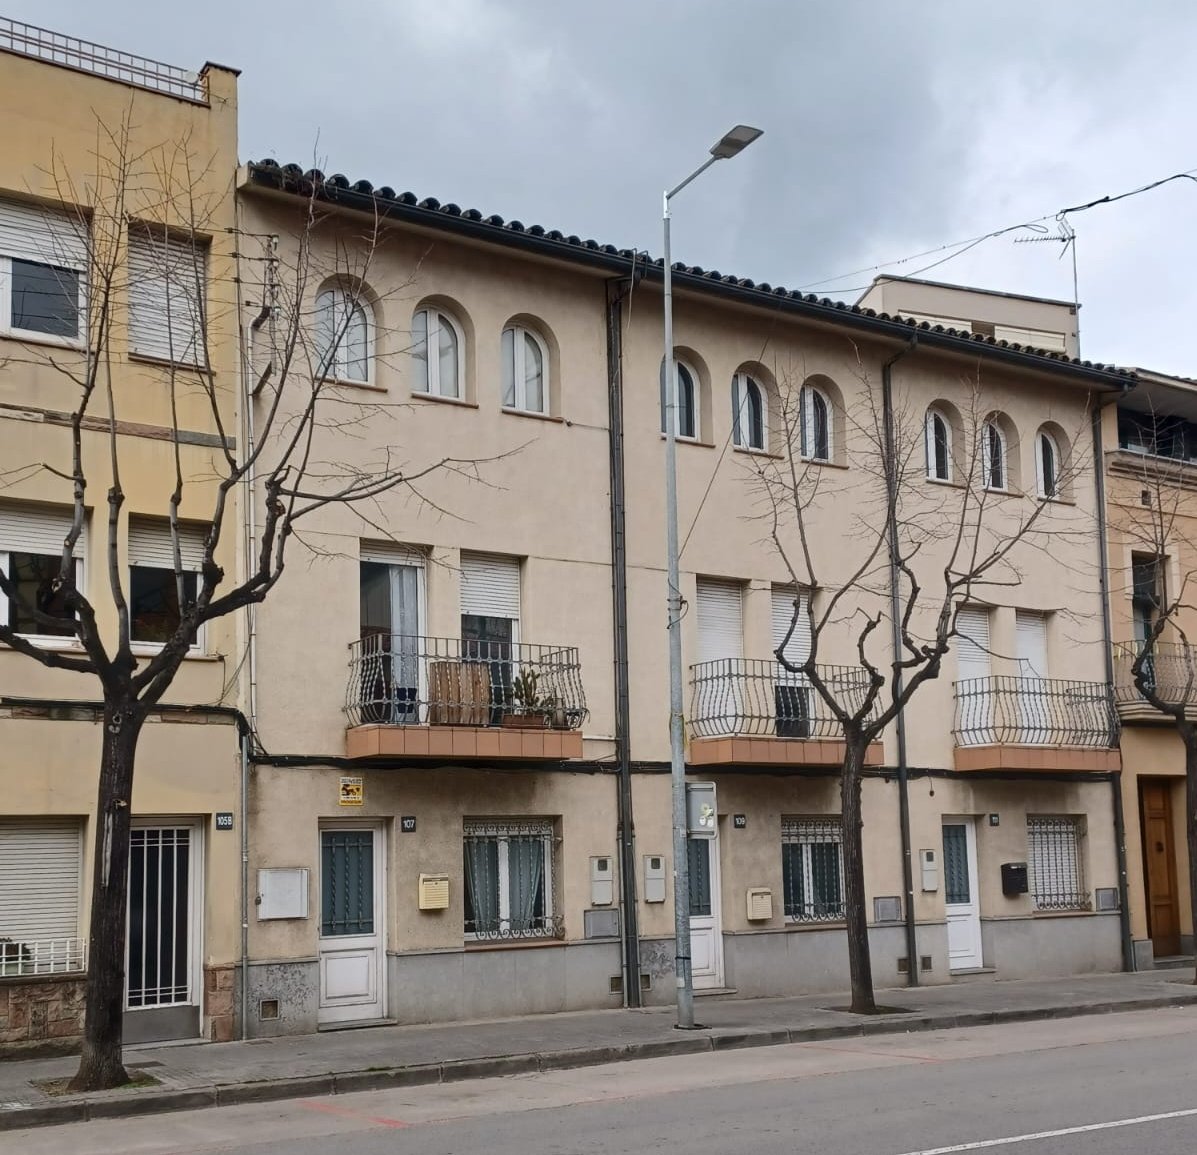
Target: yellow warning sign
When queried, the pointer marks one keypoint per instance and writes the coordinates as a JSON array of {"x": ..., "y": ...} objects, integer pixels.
[{"x": 353, "y": 793}]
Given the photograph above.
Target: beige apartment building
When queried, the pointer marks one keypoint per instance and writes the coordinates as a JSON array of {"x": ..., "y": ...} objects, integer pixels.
[
  {"x": 465, "y": 806},
  {"x": 112, "y": 166}
]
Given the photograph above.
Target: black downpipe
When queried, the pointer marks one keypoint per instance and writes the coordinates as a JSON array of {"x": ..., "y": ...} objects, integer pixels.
[
  {"x": 1103, "y": 577},
  {"x": 891, "y": 482},
  {"x": 616, "y": 291}
]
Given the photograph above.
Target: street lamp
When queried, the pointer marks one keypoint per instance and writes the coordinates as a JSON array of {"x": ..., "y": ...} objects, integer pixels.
[{"x": 731, "y": 144}]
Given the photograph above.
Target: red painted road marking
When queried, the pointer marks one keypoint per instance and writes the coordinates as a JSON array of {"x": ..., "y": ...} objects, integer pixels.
[{"x": 348, "y": 1112}]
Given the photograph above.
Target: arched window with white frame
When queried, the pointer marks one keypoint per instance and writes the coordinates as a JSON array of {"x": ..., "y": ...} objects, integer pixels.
[
  {"x": 687, "y": 402},
  {"x": 344, "y": 336},
  {"x": 437, "y": 350},
  {"x": 814, "y": 410},
  {"x": 525, "y": 370},
  {"x": 750, "y": 413},
  {"x": 939, "y": 445},
  {"x": 1047, "y": 465},
  {"x": 993, "y": 456}
]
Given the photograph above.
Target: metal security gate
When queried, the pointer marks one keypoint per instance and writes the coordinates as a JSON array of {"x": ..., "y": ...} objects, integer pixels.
[{"x": 161, "y": 995}]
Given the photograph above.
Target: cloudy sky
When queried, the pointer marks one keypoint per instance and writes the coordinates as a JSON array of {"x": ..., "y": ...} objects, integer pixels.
[{"x": 889, "y": 129}]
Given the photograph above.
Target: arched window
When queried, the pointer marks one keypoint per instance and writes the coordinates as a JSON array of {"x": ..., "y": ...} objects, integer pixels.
[
  {"x": 344, "y": 335},
  {"x": 1047, "y": 465},
  {"x": 749, "y": 412},
  {"x": 815, "y": 414},
  {"x": 525, "y": 371},
  {"x": 687, "y": 401},
  {"x": 993, "y": 455},
  {"x": 939, "y": 446},
  {"x": 438, "y": 373}
]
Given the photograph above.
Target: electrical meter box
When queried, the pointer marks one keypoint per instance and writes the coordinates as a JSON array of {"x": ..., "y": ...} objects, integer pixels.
[
  {"x": 602, "y": 881},
  {"x": 930, "y": 869},
  {"x": 654, "y": 878}
]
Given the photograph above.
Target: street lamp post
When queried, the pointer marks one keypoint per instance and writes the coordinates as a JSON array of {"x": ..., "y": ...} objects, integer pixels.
[{"x": 733, "y": 143}]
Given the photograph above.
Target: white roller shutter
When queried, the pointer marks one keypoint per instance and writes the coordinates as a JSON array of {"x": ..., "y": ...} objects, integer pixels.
[
  {"x": 30, "y": 232},
  {"x": 490, "y": 586},
  {"x": 972, "y": 643},
  {"x": 391, "y": 553},
  {"x": 150, "y": 545},
  {"x": 166, "y": 285},
  {"x": 37, "y": 529},
  {"x": 798, "y": 648},
  {"x": 1031, "y": 644},
  {"x": 40, "y": 860},
  {"x": 720, "y": 621}
]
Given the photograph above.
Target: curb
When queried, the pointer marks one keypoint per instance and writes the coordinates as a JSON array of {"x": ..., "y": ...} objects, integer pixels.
[{"x": 460, "y": 1070}]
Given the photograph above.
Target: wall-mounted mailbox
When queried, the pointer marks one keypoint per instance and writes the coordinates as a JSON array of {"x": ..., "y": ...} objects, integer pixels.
[
  {"x": 930, "y": 870},
  {"x": 1014, "y": 878},
  {"x": 602, "y": 881},
  {"x": 434, "y": 892},
  {"x": 760, "y": 904},
  {"x": 282, "y": 892},
  {"x": 654, "y": 878}
]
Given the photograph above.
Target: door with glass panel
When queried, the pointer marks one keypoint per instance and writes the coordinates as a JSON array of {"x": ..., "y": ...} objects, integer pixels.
[
  {"x": 391, "y": 672},
  {"x": 351, "y": 943},
  {"x": 1034, "y": 699},
  {"x": 974, "y": 691},
  {"x": 962, "y": 906},
  {"x": 161, "y": 966},
  {"x": 706, "y": 921}
]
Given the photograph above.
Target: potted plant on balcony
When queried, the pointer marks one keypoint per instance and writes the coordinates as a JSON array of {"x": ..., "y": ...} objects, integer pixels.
[{"x": 530, "y": 711}]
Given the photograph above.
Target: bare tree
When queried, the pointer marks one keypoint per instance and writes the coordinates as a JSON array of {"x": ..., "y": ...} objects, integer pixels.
[
  {"x": 303, "y": 458},
  {"x": 1160, "y": 530},
  {"x": 903, "y": 555}
]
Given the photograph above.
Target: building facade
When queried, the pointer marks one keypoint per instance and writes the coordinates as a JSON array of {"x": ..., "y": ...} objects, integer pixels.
[{"x": 114, "y": 170}]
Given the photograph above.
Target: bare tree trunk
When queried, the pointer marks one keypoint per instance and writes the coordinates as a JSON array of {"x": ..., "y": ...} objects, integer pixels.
[
  {"x": 100, "y": 1065},
  {"x": 860, "y": 964}
]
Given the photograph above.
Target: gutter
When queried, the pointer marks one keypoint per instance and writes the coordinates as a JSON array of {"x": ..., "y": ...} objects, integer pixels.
[{"x": 887, "y": 402}]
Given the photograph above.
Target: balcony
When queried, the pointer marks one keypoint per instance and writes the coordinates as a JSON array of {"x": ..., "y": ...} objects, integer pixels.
[
  {"x": 1035, "y": 724},
  {"x": 750, "y": 712},
  {"x": 418, "y": 697},
  {"x": 1172, "y": 673}
]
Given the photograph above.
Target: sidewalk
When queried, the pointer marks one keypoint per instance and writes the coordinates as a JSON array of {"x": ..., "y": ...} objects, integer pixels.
[{"x": 219, "y": 1074}]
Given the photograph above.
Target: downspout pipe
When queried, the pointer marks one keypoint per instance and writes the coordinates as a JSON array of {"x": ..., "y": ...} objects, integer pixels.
[
  {"x": 617, "y": 291},
  {"x": 1103, "y": 579},
  {"x": 891, "y": 481}
]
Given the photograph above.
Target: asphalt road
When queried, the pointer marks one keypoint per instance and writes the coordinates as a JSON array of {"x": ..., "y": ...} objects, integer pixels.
[{"x": 1105, "y": 1085}]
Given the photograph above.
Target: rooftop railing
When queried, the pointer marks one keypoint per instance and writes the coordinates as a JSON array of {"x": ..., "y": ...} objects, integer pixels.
[
  {"x": 1034, "y": 712},
  {"x": 749, "y": 697},
  {"x": 410, "y": 680},
  {"x": 83, "y": 56}
]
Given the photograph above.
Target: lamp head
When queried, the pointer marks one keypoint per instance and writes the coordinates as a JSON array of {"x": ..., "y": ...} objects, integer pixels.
[{"x": 735, "y": 142}]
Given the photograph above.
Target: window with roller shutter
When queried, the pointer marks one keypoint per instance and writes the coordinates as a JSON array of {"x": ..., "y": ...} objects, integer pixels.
[
  {"x": 43, "y": 273},
  {"x": 153, "y": 583},
  {"x": 791, "y": 691},
  {"x": 40, "y": 874},
  {"x": 167, "y": 291},
  {"x": 31, "y": 544}
]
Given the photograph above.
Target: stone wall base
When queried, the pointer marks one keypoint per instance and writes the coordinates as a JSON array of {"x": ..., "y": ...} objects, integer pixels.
[{"x": 41, "y": 1015}]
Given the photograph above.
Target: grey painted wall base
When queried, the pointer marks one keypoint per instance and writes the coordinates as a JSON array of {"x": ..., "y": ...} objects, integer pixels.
[
  {"x": 296, "y": 986},
  {"x": 1045, "y": 947}
]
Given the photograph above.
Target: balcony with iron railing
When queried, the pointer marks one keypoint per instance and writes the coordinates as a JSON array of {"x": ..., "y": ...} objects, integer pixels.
[
  {"x": 110, "y": 63},
  {"x": 1171, "y": 675},
  {"x": 1035, "y": 724},
  {"x": 421, "y": 697},
  {"x": 747, "y": 711}
]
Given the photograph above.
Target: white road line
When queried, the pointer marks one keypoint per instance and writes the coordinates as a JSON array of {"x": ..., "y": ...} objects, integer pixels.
[{"x": 980, "y": 1144}]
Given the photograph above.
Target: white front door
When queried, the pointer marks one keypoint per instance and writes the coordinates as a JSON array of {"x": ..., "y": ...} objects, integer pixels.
[
  {"x": 351, "y": 948},
  {"x": 961, "y": 902},
  {"x": 706, "y": 924}
]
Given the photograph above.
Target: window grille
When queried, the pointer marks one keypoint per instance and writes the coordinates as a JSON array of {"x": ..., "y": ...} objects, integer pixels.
[
  {"x": 1053, "y": 855},
  {"x": 812, "y": 864},
  {"x": 510, "y": 879}
]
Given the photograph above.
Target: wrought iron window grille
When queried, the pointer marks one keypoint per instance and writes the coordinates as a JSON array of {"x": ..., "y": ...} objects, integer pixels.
[
  {"x": 812, "y": 862},
  {"x": 512, "y": 871}
]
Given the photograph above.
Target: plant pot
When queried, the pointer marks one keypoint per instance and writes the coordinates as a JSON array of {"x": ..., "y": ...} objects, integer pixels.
[{"x": 524, "y": 721}]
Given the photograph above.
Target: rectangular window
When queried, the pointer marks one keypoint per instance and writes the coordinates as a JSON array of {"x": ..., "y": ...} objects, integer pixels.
[
  {"x": 31, "y": 543},
  {"x": 490, "y": 624},
  {"x": 812, "y": 866},
  {"x": 43, "y": 256},
  {"x": 1054, "y": 861},
  {"x": 509, "y": 879},
  {"x": 40, "y": 872},
  {"x": 154, "y": 608},
  {"x": 168, "y": 275}
]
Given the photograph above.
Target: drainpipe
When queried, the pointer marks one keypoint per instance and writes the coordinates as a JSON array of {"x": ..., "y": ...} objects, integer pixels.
[
  {"x": 629, "y": 930},
  {"x": 1103, "y": 578},
  {"x": 244, "y": 884},
  {"x": 887, "y": 402}
]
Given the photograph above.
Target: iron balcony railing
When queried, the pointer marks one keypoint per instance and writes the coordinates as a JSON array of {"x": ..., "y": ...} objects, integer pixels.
[
  {"x": 84, "y": 56},
  {"x": 41, "y": 956},
  {"x": 1034, "y": 712},
  {"x": 408, "y": 680},
  {"x": 749, "y": 697},
  {"x": 1170, "y": 667}
]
